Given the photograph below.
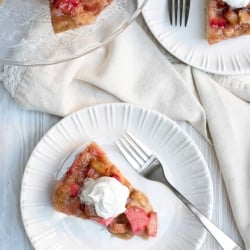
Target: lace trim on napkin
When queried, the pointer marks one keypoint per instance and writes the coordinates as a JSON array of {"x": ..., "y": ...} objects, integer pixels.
[{"x": 12, "y": 76}]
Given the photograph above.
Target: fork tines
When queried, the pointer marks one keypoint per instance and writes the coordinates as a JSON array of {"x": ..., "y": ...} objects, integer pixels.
[
  {"x": 134, "y": 151},
  {"x": 178, "y": 12}
]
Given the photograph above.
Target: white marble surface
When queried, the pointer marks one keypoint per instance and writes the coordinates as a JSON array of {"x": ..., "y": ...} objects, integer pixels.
[{"x": 21, "y": 130}]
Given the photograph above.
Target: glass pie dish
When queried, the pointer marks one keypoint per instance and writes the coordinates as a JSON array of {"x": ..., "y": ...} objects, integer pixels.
[{"x": 27, "y": 36}]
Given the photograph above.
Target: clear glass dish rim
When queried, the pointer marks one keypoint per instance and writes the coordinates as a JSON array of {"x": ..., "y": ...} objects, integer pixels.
[{"x": 105, "y": 41}]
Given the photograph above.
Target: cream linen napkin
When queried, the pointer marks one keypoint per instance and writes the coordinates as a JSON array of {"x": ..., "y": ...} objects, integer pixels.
[
  {"x": 228, "y": 117},
  {"x": 129, "y": 69},
  {"x": 132, "y": 69}
]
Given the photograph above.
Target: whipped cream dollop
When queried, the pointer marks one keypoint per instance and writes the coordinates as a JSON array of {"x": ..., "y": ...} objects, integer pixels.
[
  {"x": 107, "y": 194},
  {"x": 237, "y": 3}
]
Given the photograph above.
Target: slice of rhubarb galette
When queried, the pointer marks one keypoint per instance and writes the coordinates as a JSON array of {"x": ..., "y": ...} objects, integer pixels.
[
  {"x": 70, "y": 14},
  {"x": 225, "y": 22},
  {"x": 93, "y": 188}
]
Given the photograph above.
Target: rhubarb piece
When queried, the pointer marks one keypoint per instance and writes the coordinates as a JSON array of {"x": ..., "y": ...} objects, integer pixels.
[
  {"x": 153, "y": 224},
  {"x": 138, "y": 219}
]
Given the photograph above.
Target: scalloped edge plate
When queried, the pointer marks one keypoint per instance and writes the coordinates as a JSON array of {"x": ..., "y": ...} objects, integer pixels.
[
  {"x": 189, "y": 44},
  {"x": 182, "y": 161}
]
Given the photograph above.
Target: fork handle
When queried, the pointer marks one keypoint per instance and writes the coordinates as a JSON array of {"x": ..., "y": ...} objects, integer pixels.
[
  {"x": 155, "y": 172},
  {"x": 224, "y": 241}
]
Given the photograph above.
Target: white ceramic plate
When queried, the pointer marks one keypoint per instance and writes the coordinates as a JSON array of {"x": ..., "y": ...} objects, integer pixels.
[
  {"x": 183, "y": 163},
  {"x": 190, "y": 45}
]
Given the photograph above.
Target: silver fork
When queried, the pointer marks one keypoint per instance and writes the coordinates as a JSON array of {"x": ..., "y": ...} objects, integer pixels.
[
  {"x": 147, "y": 164},
  {"x": 178, "y": 8}
]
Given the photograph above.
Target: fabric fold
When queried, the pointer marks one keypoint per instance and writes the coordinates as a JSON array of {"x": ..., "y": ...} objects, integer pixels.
[
  {"x": 229, "y": 122},
  {"x": 128, "y": 69},
  {"x": 237, "y": 85}
]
